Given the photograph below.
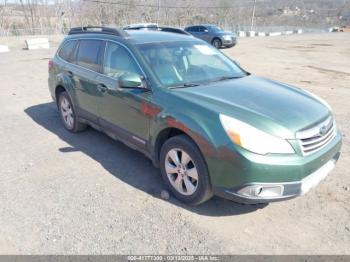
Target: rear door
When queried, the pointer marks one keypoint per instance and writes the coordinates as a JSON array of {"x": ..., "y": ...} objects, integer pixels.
[{"x": 88, "y": 66}]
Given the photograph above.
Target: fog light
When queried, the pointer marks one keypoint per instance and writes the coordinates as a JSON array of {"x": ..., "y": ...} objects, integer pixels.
[{"x": 262, "y": 191}]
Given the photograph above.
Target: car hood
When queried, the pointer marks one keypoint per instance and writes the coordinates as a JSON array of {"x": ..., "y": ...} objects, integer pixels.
[
  {"x": 274, "y": 107},
  {"x": 226, "y": 33}
]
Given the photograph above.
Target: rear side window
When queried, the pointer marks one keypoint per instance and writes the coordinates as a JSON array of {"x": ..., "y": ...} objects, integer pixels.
[
  {"x": 89, "y": 54},
  {"x": 195, "y": 29},
  {"x": 67, "y": 51},
  {"x": 192, "y": 29}
]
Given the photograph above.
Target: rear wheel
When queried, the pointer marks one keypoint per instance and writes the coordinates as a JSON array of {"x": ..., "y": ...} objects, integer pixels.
[
  {"x": 217, "y": 43},
  {"x": 184, "y": 170},
  {"x": 67, "y": 113}
]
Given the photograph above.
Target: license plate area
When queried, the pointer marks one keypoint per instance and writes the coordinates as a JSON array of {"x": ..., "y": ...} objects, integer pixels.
[{"x": 315, "y": 178}]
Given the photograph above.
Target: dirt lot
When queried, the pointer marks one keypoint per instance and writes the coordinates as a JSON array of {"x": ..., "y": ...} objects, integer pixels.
[{"x": 84, "y": 193}]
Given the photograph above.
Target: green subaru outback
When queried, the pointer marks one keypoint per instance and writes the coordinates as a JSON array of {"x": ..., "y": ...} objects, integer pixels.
[{"x": 211, "y": 127}]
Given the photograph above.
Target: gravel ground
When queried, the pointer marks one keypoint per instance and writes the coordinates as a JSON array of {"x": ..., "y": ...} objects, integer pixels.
[{"x": 64, "y": 193}]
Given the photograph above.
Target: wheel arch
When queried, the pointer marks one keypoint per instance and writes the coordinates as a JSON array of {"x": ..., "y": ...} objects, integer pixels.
[
  {"x": 214, "y": 38},
  {"x": 58, "y": 90},
  {"x": 63, "y": 83},
  {"x": 63, "y": 88},
  {"x": 193, "y": 131},
  {"x": 162, "y": 137}
]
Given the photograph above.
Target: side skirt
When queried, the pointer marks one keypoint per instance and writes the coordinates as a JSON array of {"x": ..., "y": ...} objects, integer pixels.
[{"x": 115, "y": 132}]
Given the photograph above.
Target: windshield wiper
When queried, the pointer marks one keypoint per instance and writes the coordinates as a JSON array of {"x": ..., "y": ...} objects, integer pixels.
[
  {"x": 184, "y": 85},
  {"x": 227, "y": 78}
]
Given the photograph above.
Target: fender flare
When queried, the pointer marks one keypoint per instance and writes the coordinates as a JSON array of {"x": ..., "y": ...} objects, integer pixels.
[
  {"x": 197, "y": 132},
  {"x": 66, "y": 82}
]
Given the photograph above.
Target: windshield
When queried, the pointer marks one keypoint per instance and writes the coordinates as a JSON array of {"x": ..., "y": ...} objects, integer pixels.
[{"x": 187, "y": 62}]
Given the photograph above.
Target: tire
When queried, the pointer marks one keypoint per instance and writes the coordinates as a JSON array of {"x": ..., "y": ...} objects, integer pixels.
[
  {"x": 179, "y": 176},
  {"x": 217, "y": 43},
  {"x": 68, "y": 115}
]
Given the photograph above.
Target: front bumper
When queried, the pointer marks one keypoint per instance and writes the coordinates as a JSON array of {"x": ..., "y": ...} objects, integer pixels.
[
  {"x": 255, "y": 193},
  {"x": 245, "y": 177},
  {"x": 229, "y": 43}
]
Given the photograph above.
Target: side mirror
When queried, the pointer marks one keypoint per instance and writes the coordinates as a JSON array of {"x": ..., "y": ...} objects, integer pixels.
[
  {"x": 132, "y": 80},
  {"x": 206, "y": 30}
]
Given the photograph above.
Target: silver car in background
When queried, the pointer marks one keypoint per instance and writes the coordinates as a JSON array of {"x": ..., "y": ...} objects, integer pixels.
[{"x": 213, "y": 35}]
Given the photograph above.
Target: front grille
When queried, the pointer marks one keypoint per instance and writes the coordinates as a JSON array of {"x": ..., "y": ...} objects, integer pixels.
[{"x": 317, "y": 137}]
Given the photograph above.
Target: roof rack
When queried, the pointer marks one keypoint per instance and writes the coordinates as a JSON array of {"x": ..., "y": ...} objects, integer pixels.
[
  {"x": 155, "y": 27},
  {"x": 140, "y": 26},
  {"x": 98, "y": 30}
]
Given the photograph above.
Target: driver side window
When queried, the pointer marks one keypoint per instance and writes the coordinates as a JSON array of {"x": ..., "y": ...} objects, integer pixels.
[{"x": 118, "y": 61}]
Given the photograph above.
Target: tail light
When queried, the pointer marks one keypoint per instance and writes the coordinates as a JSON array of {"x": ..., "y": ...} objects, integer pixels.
[{"x": 50, "y": 64}]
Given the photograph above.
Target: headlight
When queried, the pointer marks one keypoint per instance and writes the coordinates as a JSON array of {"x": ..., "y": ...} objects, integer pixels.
[
  {"x": 227, "y": 37},
  {"x": 254, "y": 139}
]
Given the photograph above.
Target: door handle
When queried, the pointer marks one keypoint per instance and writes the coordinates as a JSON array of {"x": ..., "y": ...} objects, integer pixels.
[{"x": 102, "y": 88}]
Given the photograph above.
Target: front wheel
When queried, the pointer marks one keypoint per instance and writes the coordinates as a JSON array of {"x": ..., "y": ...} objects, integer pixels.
[
  {"x": 217, "y": 43},
  {"x": 184, "y": 170}
]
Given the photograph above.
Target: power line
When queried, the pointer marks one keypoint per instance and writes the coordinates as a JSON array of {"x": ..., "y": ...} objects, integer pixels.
[{"x": 158, "y": 6}]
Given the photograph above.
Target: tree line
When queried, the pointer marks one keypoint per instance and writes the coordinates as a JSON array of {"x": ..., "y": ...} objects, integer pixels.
[{"x": 40, "y": 16}]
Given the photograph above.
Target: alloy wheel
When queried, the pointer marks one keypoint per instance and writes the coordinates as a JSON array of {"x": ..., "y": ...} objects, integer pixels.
[
  {"x": 181, "y": 171},
  {"x": 217, "y": 43},
  {"x": 67, "y": 112}
]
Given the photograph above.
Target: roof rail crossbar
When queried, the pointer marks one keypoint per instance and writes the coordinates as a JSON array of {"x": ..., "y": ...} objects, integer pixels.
[
  {"x": 98, "y": 30},
  {"x": 155, "y": 27}
]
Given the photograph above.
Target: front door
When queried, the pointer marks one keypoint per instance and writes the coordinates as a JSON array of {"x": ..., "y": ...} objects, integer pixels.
[
  {"x": 122, "y": 109},
  {"x": 203, "y": 33}
]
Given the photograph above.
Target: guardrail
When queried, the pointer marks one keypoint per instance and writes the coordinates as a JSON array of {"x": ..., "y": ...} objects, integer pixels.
[
  {"x": 263, "y": 34},
  {"x": 4, "y": 49}
]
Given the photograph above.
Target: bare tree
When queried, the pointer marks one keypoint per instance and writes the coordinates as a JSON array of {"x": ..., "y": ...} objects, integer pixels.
[
  {"x": 229, "y": 14},
  {"x": 2, "y": 13}
]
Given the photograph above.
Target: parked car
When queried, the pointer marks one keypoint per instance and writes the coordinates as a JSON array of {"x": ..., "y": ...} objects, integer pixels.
[
  {"x": 155, "y": 27},
  {"x": 211, "y": 127},
  {"x": 213, "y": 35}
]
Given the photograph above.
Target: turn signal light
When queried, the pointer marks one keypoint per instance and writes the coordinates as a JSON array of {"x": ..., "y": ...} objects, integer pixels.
[{"x": 50, "y": 64}]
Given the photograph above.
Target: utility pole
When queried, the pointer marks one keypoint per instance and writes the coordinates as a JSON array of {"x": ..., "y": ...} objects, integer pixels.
[
  {"x": 158, "y": 11},
  {"x": 253, "y": 17}
]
